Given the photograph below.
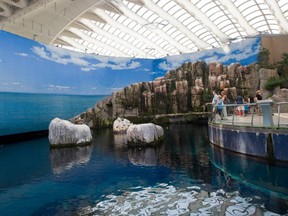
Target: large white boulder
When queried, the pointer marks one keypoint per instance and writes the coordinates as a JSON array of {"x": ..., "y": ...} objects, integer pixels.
[
  {"x": 65, "y": 133},
  {"x": 120, "y": 125},
  {"x": 144, "y": 134}
]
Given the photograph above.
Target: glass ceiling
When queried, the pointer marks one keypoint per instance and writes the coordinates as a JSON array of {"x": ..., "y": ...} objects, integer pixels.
[{"x": 143, "y": 28}]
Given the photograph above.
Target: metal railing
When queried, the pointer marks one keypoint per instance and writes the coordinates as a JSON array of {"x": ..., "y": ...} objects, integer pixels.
[{"x": 252, "y": 115}]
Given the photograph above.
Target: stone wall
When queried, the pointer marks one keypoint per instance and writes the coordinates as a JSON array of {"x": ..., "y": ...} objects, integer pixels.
[{"x": 183, "y": 90}]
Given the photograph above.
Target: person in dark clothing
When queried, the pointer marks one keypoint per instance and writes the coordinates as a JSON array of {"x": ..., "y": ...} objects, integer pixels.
[
  {"x": 251, "y": 100},
  {"x": 240, "y": 109},
  {"x": 257, "y": 98},
  {"x": 258, "y": 95}
]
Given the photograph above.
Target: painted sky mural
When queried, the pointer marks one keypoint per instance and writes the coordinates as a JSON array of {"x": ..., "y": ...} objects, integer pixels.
[{"x": 28, "y": 66}]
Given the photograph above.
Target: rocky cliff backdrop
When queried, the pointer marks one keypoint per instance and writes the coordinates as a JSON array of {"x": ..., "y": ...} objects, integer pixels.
[{"x": 184, "y": 90}]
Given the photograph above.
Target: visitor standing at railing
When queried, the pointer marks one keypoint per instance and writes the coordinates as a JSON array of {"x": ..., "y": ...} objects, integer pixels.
[
  {"x": 214, "y": 100},
  {"x": 240, "y": 109},
  {"x": 251, "y": 100},
  {"x": 219, "y": 106},
  {"x": 257, "y": 98},
  {"x": 225, "y": 100}
]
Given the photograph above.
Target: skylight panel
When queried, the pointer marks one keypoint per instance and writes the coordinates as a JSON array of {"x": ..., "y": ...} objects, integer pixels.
[
  {"x": 204, "y": 35},
  {"x": 202, "y": 3},
  {"x": 106, "y": 27},
  {"x": 188, "y": 21},
  {"x": 126, "y": 37},
  {"x": 168, "y": 6},
  {"x": 114, "y": 44},
  {"x": 147, "y": 15},
  {"x": 121, "y": 19},
  {"x": 194, "y": 26},
  {"x": 261, "y": 27},
  {"x": 224, "y": 23},
  {"x": 152, "y": 18},
  {"x": 184, "y": 40},
  {"x": 126, "y": 22},
  {"x": 253, "y": 10},
  {"x": 146, "y": 33},
  {"x": 183, "y": 16},
  {"x": 112, "y": 29},
  {"x": 207, "y": 7},
  {"x": 90, "y": 45},
  {"x": 117, "y": 32},
  {"x": 142, "y": 11},
  {"x": 137, "y": 27},
  {"x": 141, "y": 30},
  {"x": 171, "y": 31},
  {"x": 161, "y": 3},
  {"x": 213, "y": 11},
  {"x": 230, "y": 31},
  {"x": 175, "y": 34},
  {"x": 121, "y": 35},
  {"x": 243, "y": 5},
  {"x": 167, "y": 27},
  {"x": 132, "y": 24},
  {"x": 219, "y": 21},
  {"x": 130, "y": 40}
]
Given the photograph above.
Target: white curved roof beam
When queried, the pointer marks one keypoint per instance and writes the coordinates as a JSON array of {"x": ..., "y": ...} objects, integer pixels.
[
  {"x": 69, "y": 33},
  {"x": 105, "y": 46},
  {"x": 93, "y": 16},
  {"x": 166, "y": 16},
  {"x": 19, "y": 3},
  {"x": 129, "y": 13},
  {"x": 80, "y": 46},
  {"x": 128, "y": 31},
  {"x": 5, "y": 9},
  {"x": 111, "y": 36},
  {"x": 237, "y": 15},
  {"x": 199, "y": 15},
  {"x": 277, "y": 13}
]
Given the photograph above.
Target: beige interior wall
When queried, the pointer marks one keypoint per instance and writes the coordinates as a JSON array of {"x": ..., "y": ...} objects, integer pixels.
[{"x": 276, "y": 44}]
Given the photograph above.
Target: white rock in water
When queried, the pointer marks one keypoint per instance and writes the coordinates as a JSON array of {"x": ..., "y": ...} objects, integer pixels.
[
  {"x": 144, "y": 134},
  {"x": 120, "y": 125},
  {"x": 64, "y": 133}
]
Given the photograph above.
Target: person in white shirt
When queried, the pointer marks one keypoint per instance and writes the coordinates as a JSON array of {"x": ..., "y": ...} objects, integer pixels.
[{"x": 214, "y": 100}]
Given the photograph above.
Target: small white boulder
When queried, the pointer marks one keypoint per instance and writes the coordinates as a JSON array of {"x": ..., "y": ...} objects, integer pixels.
[
  {"x": 65, "y": 133},
  {"x": 120, "y": 125},
  {"x": 144, "y": 134}
]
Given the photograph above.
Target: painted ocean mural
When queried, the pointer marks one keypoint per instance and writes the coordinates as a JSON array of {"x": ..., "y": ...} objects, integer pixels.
[{"x": 31, "y": 67}]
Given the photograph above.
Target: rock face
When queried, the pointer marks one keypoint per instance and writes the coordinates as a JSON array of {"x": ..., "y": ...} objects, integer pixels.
[
  {"x": 183, "y": 90},
  {"x": 144, "y": 134},
  {"x": 121, "y": 125},
  {"x": 65, "y": 133},
  {"x": 281, "y": 96}
]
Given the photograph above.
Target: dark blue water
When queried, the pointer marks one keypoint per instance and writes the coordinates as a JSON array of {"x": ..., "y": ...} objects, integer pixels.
[
  {"x": 35, "y": 180},
  {"x": 22, "y": 112}
]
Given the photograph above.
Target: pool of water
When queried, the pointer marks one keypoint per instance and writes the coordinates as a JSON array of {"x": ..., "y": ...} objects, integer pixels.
[{"x": 182, "y": 176}]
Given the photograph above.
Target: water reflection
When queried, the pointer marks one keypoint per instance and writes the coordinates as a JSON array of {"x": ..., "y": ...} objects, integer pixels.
[
  {"x": 63, "y": 159},
  {"x": 143, "y": 156},
  {"x": 120, "y": 140},
  {"x": 256, "y": 174}
]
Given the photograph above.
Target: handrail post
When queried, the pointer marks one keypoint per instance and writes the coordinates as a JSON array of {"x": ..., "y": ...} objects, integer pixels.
[
  {"x": 252, "y": 118},
  {"x": 279, "y": 114}
]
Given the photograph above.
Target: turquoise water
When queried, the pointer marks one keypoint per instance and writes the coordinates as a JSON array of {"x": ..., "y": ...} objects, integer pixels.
[
  {"x": 22, "y": 112},
  {"x": 183, "y": 174}
]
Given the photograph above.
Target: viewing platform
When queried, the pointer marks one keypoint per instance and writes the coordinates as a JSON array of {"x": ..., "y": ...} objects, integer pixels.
[
  {"x": 262, "y": 134},
  {"x": 272, "y": 119}
]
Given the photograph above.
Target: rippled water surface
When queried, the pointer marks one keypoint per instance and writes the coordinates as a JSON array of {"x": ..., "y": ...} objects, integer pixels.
[{"x": 182, "y": 176}]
